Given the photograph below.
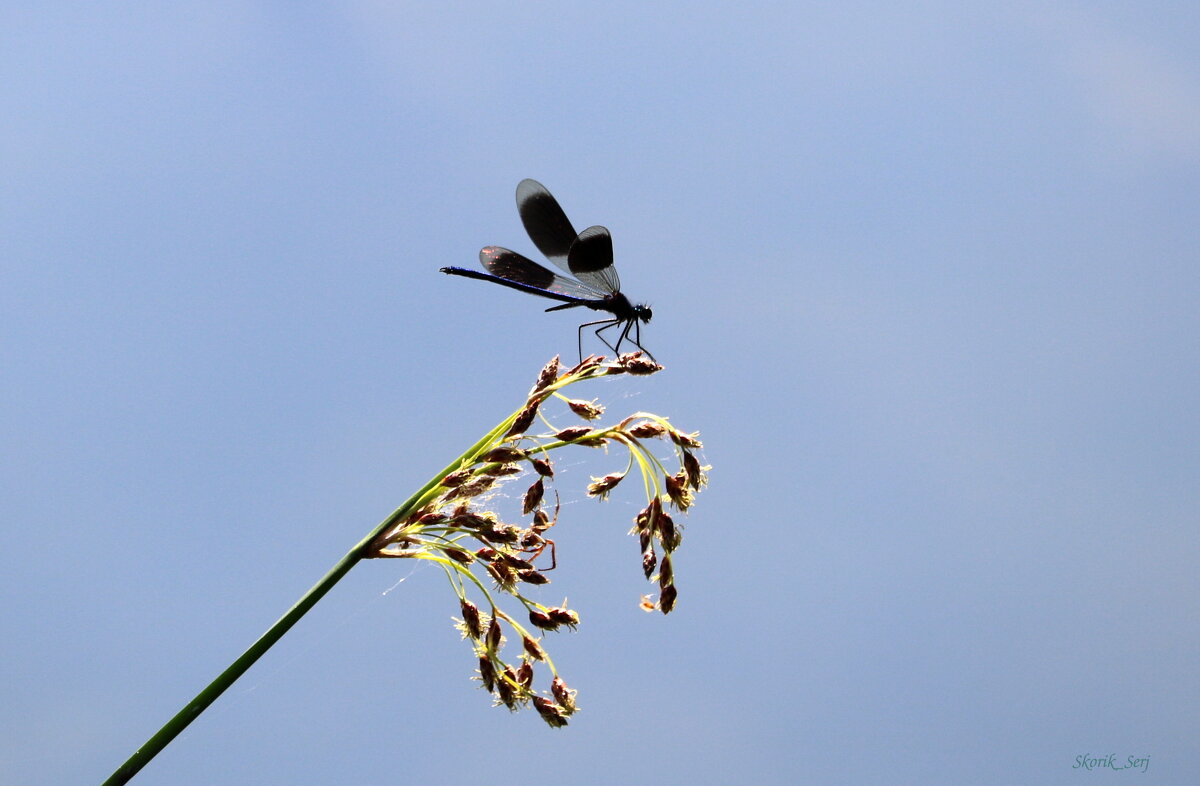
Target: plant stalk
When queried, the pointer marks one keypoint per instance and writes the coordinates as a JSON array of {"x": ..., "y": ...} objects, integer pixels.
[{"x": 192, "y": 710}]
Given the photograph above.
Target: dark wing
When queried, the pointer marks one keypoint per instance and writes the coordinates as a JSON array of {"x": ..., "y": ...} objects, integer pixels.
[
  {"x": 512, "y": 266},
  {"x": 591, "y": 260},
  {"x": 545, "y": 222}
]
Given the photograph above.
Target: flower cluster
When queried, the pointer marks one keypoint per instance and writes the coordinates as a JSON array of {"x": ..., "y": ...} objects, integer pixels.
[{"x": 451, "y": 525}]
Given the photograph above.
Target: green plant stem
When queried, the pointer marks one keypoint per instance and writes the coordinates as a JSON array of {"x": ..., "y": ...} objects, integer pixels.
[{"x": 189, "y": 713}]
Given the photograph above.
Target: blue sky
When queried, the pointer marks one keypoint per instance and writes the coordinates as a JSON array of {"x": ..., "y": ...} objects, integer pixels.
[{"x": 925, "y": 279}]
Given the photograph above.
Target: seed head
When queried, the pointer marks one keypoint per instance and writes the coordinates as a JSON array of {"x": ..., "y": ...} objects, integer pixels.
[
  {"x": 542, "y": 467},
  {"x": 572, "y": 433},
  {"x": 550, "y": 712},
  {"x": 515, "y": 562},
  {"x": 459, "y": 555},
  {"x": 487, "y": 673},
  {"x": 685, "y": 440},
  {"x": 588, "y": 410},
  {"x": 456, "y": 478},
  {"x": 472, "y": 488},
  {"x": 506, "y": 691},
  {"x": 647, "y": 429},
  {"x": 666, "y": 599},
  {"x": 495, "y": 637},
  {"x": 695, "y": 473},
  {"x": 668, "y": 535},
  {"x": 547, "y": 376},
  {"x": 465, "y": 519},
  {"x": 500, "y": 470},
  {"x": 534, "y": 577},
  {"x": 649, "y": 561},
  {"x": 504, "y": 576},
  {"x": 666, "y": 573},
  {"x": 471, "y": 619},
  {"x": 563, "y": 616},
  {"x": 636, "y": 363},
  {"x": 533, "y": 649},
  {"x": 677, "y": 489},
  {"x": 601, "y": 486},
  {"x": 533, "y": 497},
  {"x": 563, "y": 695},
  {"x": 523, "y": 420},
  {"x": 502, "y": 455},
  {"x": 645, "y": 520},
  {"x": 540, "y": 619}
]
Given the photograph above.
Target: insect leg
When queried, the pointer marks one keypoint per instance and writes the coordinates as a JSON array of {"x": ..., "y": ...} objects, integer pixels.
[{"x": 604, "y": 325}]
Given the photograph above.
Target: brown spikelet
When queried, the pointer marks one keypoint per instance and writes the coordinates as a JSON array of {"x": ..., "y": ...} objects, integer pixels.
[
  {"x": 472, "y": 488},
  {"x": 533, "y": 497},
  {"x": 562, "y": 616},
  {"x": 459, "y": 555},
  {"x": 637, "y": 363},
  {"x": 546, "y": 377},
  {"x": 502, "y": 455},
  {"x": 666, "y": 599},
  {"x": 456, "y": 478},
  {"x": 563, "y": 695},
  {"x": 495, "y": 638},
  {"x": 524, "y": 420},
  {"x": 534, "y": 577},
  {"x": 533, "y": 649},
  {"x": 599, "y": 487},
  {"x": 677, "y": 489},
  {"x": 647, "y": 429},
  {"x": 500, "y": 470},
  {"x": 683, "y": 440},
  {"x": 487, "y": 673},
  {"x": 649, "y": 561},
  {"x": 471, "y": 618},
  {"x": 588, "y": 410},
  {"x": 551, "y": 713},
  {"x": 572, "y": 433},
  {"x": 694, "y": 472},
  {"x": 666, "y": 573},
  {"x": 506, "y": 689},
  {"x": 542, "y": 467}
]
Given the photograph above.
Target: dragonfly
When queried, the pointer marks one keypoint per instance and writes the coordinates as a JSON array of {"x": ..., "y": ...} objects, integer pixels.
[{"x": 588, "y": 258}]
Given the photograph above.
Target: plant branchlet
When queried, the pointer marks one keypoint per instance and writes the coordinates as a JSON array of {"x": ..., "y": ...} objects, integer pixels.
[{"x": 488, "y": 558}]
